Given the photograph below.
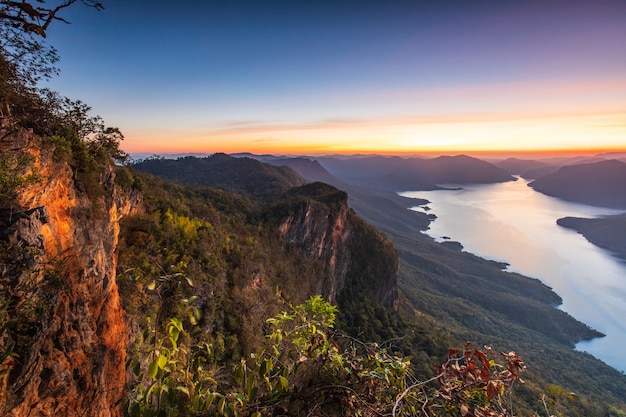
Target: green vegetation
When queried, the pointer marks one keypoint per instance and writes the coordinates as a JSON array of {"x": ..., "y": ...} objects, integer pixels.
[
  {"x": 230, "y": 248},
  {"x": 305, "y": 367},
  {"x": 15, "y": 174},
  {"x": 25, "y": 59}
]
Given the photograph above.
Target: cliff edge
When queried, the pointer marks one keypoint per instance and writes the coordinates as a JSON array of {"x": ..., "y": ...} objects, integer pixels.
[{"x": 62, "y": 316}]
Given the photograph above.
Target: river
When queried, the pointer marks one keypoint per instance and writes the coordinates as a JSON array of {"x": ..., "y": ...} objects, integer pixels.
[{"x": 512, "y": 223}]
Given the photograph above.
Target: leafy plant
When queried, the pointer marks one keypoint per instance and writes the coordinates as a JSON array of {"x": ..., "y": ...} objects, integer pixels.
[
  {"x": 172, "y": 377},
  {"x": 471, "y": 384},
  {"x": 304, "y": 370}
]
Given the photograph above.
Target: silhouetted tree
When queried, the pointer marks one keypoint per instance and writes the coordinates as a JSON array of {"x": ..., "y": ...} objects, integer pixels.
[
  {"x": 25, "y": 59},
  {"x": 35, "y": 17}
]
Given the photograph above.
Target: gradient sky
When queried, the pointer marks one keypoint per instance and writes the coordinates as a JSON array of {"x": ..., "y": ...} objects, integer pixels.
[{"x": 350, "y": 76}]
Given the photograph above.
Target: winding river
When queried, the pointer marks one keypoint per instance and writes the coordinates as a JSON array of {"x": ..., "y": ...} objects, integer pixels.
[{"x": 512, "y": 223}]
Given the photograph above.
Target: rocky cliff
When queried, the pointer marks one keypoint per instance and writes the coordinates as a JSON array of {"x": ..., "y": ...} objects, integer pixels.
[
  {"x": 319, "y": 221},
  {"x": 62, "y": 310}
]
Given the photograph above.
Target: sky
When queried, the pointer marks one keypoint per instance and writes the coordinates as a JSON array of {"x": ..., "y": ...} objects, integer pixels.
[{"x": 344, "y": 76}]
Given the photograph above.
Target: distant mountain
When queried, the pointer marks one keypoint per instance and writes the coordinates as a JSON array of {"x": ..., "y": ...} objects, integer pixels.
[
  {"x": 613, "y": 155},
  {"x": 522, "y": 167},
  {"x": 601, "y": 183},
  {"x": 308, "y": 169},
  {"x": 607, "y": 232},
  {"x": 533, "y": 174},
  {"x": 399, "y": 174},
  {"x": 380, "y": 207},
  {"x": 257, "y": 180},
  {"x": 463, "y": 169}
]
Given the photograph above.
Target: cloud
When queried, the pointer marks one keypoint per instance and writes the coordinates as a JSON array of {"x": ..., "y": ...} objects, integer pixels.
[
  {"x": 267, "y": 139},
  {"x": 406, "y": 121}
]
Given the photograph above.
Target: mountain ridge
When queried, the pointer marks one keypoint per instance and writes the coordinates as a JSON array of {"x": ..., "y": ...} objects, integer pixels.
[{"x": 600, "y": 183}]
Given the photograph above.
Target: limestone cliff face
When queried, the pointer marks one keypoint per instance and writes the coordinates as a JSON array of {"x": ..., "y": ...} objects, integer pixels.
[
  {"x": 70, "y": 330},
  {"x": 354, "y": 254}
]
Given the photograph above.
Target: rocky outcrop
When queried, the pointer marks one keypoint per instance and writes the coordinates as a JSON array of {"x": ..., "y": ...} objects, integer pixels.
[
  {"x": 319, "y": 222},
  {"x": 64, "y": 313},
  {"x": 322, "y": 235}
]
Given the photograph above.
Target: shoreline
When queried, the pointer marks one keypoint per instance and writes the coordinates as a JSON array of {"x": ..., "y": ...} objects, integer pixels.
[{"x": 604, "y": 232}]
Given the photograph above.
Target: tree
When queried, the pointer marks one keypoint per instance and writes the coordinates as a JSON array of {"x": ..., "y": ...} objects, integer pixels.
[
  {"x": 35, "y": 18},
  {"x": 25, "y": 59}
]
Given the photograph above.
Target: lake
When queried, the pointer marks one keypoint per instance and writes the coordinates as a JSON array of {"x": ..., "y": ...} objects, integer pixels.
[{"x": 510, "y": 222}]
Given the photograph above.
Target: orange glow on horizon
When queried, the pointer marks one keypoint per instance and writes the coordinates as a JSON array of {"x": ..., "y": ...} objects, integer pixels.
[
  {"x": 326, "y": 150},
  {"x": 320, "y": 151},
  {"x": 562, "y": 133}
]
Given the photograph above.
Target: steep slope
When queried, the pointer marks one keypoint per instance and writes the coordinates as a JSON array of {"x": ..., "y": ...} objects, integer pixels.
[
  {"x": 600, "y": 183},
  {"x": 238, "y": 253},
  {"x": 64, "y": 317},
  {"x": 322, "y": 248},
  {"x": 314, "y": 217},
  {"x": 356, "y": 255}
]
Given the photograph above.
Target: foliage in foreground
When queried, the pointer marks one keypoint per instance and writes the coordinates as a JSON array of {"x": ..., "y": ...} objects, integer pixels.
[{"x": 305, "y": 368}]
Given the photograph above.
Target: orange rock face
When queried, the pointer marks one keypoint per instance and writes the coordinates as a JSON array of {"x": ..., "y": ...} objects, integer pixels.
[{"x": 75, "y": 364}]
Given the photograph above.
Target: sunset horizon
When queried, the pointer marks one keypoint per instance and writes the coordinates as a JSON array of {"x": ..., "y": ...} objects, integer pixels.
[{"x": 493, "y": 154}]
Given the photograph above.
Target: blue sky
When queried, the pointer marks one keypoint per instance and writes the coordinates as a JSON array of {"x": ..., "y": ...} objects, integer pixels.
[{"x": 348, "y": 76}]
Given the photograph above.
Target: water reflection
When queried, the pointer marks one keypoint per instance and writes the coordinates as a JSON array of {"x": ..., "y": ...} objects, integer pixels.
[{"x": 512, "y": 223}]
